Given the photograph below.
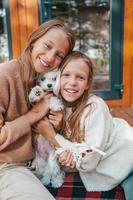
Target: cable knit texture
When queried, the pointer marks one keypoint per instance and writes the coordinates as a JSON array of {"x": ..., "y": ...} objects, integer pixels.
[
  {"x": 113, "y": 136},
  {"x": 15, "y": 131}
]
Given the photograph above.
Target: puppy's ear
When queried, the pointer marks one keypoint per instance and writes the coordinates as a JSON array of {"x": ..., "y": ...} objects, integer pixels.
[{"x": 56, "y": 89}]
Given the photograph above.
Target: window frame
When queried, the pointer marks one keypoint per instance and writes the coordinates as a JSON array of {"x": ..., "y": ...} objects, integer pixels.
[{"x": 115, "y": 91}]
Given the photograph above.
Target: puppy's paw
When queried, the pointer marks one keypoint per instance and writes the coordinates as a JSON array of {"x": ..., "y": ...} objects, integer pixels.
[{"x": 35, "y": 94}]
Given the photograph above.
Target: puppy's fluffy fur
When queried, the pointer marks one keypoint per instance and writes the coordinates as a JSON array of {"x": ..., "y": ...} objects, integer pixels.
[{"x": 46, "y": 163}]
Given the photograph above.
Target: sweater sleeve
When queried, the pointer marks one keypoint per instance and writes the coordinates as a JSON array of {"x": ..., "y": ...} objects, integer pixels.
[
  {"x": 97, "y": 125},
  {"x": 10, "y": 131},
  {"x": 13, "y": 130},
  {"x": 97, "y": 131}
]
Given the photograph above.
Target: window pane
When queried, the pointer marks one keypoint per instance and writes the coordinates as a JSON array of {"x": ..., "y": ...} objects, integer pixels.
[
  {"x": 90, "y": 20},
  {"x": 4, "y": 53}
]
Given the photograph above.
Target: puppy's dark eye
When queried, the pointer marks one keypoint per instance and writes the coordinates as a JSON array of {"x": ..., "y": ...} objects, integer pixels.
[
  {"x": 54, "y": 79},
  {"x": 43, "y": 79}
]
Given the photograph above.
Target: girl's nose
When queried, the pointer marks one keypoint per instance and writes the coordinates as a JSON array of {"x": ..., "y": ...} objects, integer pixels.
[
  {"x": 72, "y": 81},
  {"x": 50, "y": 57}
]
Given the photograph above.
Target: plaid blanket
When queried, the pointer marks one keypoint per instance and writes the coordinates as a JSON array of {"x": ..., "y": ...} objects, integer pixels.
[{"x": 73, "y": 189}]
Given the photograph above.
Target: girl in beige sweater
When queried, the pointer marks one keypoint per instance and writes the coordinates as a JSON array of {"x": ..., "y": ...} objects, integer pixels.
[{"x": 47, "y": 46}]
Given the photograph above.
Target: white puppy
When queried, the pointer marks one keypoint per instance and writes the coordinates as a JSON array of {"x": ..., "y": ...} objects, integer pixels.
[
  {"x": 47, "y": 82},
  {"x": 46, "y": 163}
]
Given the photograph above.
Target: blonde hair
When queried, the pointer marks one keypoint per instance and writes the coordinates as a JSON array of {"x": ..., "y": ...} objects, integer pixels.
[
  {"x": 73, "y": 121},
  {"x": 27, "y": 70}
]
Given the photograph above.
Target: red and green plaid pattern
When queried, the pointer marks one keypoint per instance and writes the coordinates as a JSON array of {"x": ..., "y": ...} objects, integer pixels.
[{"x": 73, "y": 189}]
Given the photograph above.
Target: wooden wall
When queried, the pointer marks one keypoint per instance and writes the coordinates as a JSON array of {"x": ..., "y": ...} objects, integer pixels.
[
  {"x": 24, "y": 19},
  {"x": 130, "y": 40}
]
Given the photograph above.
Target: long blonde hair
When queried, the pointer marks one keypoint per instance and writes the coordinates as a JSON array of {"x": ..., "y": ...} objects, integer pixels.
[
  {"x": 27, "y": 69},
  {"x": 73, "y": 121}
]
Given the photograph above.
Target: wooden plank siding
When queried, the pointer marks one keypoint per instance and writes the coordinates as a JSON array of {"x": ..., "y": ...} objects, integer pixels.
[
  {"x": 127, "y": 53},
  {"x": 24, "y": 19},
  {"x": 131, "y": 53}
]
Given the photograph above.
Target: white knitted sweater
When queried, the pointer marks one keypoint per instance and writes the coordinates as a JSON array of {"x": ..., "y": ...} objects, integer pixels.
[{"x": 114, "y": 136}]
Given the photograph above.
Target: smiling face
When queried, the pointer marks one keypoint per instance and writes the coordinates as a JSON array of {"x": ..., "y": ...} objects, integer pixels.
[
  {"x": 74, "y": 80},
  {"x": 49, "y": 50}
]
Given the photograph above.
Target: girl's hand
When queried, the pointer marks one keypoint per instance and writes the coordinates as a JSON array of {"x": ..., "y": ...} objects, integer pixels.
[
  {"x": 45, "y": 128},
  {"x": 39, "y": 110},
  {"x": 56, "y": 119},
  {"x": 66, "y": 158}
]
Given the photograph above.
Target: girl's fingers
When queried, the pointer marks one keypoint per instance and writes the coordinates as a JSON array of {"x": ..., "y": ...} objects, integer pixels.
[
  {"x": 63, "y": 156},
  {"x": 69, "y": 163},
  {"x": 66, "y": 159},
  {"x": 72, "y": 165},
  {"x": 51, "y": 117},
  {"x": 54, "y": 113},
  {"x": 54, "y": 123},
  {"x": 47, "y": 94},
  {"x": 69, "y": 159},
  {"x": 46, "y": 119},
  {"x": 55, "y": 119}
]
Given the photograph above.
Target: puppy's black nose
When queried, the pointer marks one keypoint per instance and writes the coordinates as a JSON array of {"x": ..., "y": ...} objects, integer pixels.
[{"x": 49, "y": 85}]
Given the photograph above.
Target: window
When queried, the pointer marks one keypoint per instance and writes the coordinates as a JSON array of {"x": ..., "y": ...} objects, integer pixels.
[
  {"x": 99, "y": 29},
  {"x": 5, "y": 41}
]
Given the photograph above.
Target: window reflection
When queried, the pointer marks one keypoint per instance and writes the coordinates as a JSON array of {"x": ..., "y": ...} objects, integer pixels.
[
  {"x": 4, "y": 54},
  {"x": 90, "y": 20}
]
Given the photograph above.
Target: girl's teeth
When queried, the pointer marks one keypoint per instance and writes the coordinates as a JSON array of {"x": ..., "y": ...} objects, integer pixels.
[
  {"x": 46, "y": 65},
  {"x": 71, "y": 91}
]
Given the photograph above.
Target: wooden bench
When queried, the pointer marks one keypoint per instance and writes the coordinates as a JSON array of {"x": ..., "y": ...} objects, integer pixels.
[{"x": 73, "y": 188}]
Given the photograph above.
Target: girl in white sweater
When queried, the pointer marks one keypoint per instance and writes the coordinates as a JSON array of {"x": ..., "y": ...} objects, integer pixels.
[{"x": 104, "y": 143}]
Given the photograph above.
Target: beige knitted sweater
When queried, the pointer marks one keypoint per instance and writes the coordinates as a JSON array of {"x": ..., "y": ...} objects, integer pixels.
[{"x": 15, "y": 131}]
